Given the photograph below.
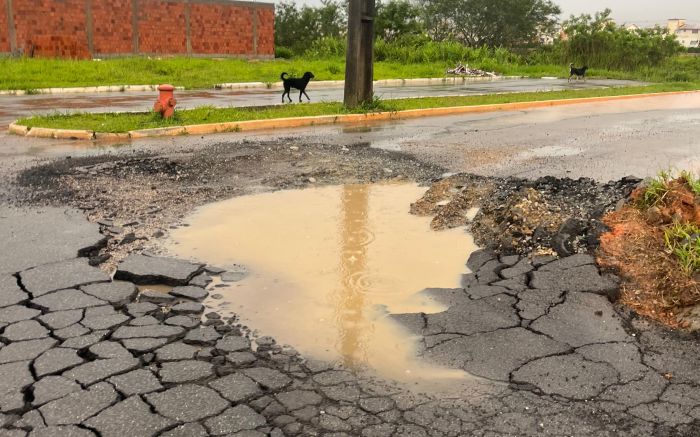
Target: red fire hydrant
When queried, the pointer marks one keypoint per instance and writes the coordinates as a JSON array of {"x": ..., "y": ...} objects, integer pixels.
[{"x": 166, "y": 102}]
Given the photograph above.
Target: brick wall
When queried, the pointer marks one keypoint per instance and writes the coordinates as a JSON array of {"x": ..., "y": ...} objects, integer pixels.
[
  {"x": 4, "y": 33},
  {"x": 266, "y": 30},
  {"x": 85, "y": 28},
  {"x": 162, "y": 27},
  {"x": 111, "y": 21},
  {"x": 219, "y": 28},
  {"x": 54, "y": 28}
]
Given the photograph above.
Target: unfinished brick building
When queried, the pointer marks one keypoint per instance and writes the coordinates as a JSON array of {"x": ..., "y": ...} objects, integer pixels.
[{"x": 104, "y": 28}]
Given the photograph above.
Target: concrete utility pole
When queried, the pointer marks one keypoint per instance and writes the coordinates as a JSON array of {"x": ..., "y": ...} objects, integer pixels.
[{"x": 359, "y": 67}]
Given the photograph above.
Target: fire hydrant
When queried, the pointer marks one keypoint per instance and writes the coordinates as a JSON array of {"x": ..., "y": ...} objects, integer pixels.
[{"x": 166, "y": 102}]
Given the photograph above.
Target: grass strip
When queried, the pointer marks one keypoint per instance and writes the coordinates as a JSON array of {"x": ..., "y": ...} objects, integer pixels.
[
  {"x": 191, "y": 73},
  {"x": 124, "y": 122},
  {"x": 30, "y": 74}
]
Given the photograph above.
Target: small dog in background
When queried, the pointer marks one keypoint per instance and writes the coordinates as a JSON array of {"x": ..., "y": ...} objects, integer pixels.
[
  {"x": 580, "y": 73},
  {"x": 297, "y": 83}
]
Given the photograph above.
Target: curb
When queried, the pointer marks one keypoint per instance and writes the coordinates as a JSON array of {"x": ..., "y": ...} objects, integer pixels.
[
  {"x": 320, "y": 120},
  {"x": 89, "y": 89},
  {"x": 252, "y": 85}
]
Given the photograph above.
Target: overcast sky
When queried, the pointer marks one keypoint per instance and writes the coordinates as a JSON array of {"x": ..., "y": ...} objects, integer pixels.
[
  {"x": 641, "y": 11},
  {"x": 638, "y": 11}
]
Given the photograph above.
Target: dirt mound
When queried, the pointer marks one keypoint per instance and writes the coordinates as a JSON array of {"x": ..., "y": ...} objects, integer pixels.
[
  {"x": 655, "y": 282},
  {"x": 677, "y": 204},
  {"x": 518, "y": 216}
]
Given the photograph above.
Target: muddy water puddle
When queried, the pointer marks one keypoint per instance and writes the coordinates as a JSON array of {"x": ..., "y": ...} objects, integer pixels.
[{"x": 326, "y": 266}]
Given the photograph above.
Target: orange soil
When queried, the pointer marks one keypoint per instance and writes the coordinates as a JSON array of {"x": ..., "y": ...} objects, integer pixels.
[{"x": 653, "y": 282}]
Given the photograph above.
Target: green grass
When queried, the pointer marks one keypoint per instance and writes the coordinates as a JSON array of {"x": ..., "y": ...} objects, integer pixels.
[
  {"x": 194, "y": 73},
  {"x": 683, "y": 240},
  {"x": 656, "y": 190},
  {"x": 692, "y": 181},
  {"x": 191, "y": 73},
  {"x": 124, "y": 122}
]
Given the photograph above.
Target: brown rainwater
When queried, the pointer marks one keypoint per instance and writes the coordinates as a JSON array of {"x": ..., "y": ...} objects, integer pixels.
[{"x": 326, "y": 267}]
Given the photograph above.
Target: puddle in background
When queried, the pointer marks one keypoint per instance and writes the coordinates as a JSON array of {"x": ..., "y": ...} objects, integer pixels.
[{"x": 326, "y": 264}]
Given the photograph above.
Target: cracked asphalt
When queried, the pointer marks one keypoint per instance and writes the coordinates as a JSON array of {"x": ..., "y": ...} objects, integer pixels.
[
  {"x": 82, "y": 354},
  {"x": 86, "y": 354}
]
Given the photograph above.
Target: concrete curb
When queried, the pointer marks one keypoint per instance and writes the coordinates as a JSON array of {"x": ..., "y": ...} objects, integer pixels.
[
  {"x": 18, "y": 129},
  {"x": 89, "y": 89},
  {"x": 253, "y": 85},
  {"x": 283, "y": 123}
]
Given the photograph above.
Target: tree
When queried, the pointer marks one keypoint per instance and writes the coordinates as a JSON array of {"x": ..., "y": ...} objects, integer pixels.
[
  {"x": 504, "y": 23},
  {"x": 598, "y": 42},
  {"x": 397, "y": 18},
  {"x": 297, "y": 27}
]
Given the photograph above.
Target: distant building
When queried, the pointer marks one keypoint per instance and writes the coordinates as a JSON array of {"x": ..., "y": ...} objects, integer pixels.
[
  {"x": 687, "y": 34},
  {"x": 546, "y": 40}
]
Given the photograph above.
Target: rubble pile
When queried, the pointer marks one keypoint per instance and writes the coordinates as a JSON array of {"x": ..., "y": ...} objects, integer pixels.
[{"x": 518, "y": 216}]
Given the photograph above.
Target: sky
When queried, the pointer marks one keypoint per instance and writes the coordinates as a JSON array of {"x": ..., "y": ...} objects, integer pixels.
[
  {"x": 636, "y": 11},
  {"x": 641, "y": 12}
]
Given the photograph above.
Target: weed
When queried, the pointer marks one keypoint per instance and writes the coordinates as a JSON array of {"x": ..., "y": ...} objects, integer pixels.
[
  {"x": 334, "y": 69},
  {"x": 683, "y": 241},
  {"x": 31, "y": 91},
  {"x": 377, "y": 104},
  {"x": 283, "y": 52},
  {"x": 692, "y": 181},
  {"x": 656, "y": 190}
]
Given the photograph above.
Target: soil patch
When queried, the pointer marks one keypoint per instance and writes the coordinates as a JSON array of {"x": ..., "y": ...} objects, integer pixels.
[{"x": 655, "y": 283}]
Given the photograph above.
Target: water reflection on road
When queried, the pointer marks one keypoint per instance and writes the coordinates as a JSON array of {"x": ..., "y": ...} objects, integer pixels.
[{"x": 327, "y": 265}]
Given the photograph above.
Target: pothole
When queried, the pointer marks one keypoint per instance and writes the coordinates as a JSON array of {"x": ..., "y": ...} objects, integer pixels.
[{"x": 326, "y": 267}]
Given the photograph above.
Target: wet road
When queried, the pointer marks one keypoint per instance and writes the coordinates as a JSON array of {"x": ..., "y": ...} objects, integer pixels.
[
  {"x": 14, "y": 107},
  {"x": 604, "y": 141},
  {"x": 568, "y": 365}
]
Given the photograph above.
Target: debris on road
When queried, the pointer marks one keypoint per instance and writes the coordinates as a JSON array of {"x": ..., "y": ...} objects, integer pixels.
[
  {"x": 465, "y": 70},
  {"x": 518, "y": 216}
]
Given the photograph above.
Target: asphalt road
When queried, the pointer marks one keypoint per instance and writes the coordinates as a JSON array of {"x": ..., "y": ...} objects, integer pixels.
[
  {"x": 13, "y": 107},
  {"x": 549, "y": 354},
  {"x": 603, "y": 141}
]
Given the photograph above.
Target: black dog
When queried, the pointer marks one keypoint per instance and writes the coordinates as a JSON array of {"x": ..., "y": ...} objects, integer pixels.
[
  {"x": 578, "y": 72},
  {"x": 297, "y": 83}
]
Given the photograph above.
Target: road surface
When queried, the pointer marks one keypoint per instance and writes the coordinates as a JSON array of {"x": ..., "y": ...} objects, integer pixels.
[
  {"x": 603, "y": 141},
  {"x": 549, "y": 354},
  {"x": 14, "y": 107}
]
